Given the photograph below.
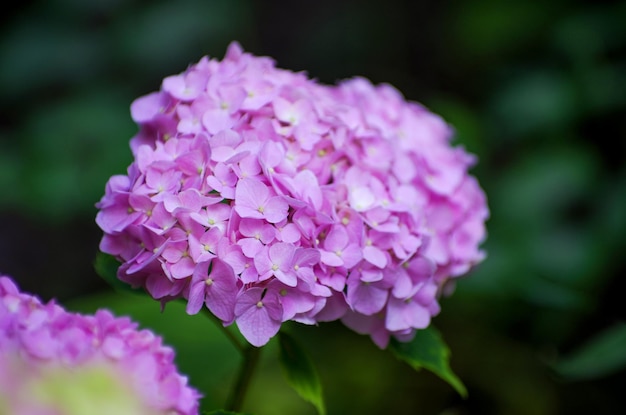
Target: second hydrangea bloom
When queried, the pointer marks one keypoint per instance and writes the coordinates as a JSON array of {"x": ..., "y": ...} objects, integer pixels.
[
  {"x": 268, "y": 197},
  {"x": 54, "y": 362}
]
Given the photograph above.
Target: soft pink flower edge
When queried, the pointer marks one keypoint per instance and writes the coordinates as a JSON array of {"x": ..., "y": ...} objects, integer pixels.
[{"x": 41, "y": 335}]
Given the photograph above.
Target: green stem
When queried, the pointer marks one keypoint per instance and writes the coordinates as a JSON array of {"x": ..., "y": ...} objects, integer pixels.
[
  {"x": 250, "y": 356},
  {"x": 250, "y": 359},
  {"x": 229, "y": 334}
]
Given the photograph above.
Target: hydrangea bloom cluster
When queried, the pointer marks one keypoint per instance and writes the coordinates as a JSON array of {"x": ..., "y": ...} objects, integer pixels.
[
  {"x": 269, "y": 197},
  {"x": 54, "y": 362}
]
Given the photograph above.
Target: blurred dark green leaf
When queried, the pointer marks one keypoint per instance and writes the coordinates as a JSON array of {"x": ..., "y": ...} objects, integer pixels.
[
  {"x": 220, "y": 412},
  {"x": 191, "y": 27},
  {"x": 300, "y": 372},
  {"x": 491, "y": 28},
  {"x": 40, "y": 43},
  {"x": 428, "y": 350},
  {"x": 67, "y": 151},
  {"x": 535, "y": 100},
  {"x": 603, "y": 355}
]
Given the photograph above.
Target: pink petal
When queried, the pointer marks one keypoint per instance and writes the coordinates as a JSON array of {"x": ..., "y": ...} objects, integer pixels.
[
  {"x": 276, "y": 209},
  {"x": 289, "y": 233},
  {"x": 195, "y": 300},
  {"x": 217, "y": 120},
  {"x": 306, "y": 256},
  {"x": 263, "y": 264},
  {"x": 158, "y": 286},
  {"x": 284, "y": 110},
  {"x": 288, "y": 278},
  {"x": 361, "y": 199},
  {"x": 351, "y": 255},
  {"x": 402, "y": 315},
  {"x": 221, "y": 295},
  {"x": 250, "y": 247},
  {"x": 250, "y": 195},
  {"x": 336, "y": 240},
  {"x": 258, "y": 319},
  {"x": 330, "y": 258},
  {"x": 146, "y": 108},
  {"x": 335, "y": 308},
  {"x": 177, "y": 87},
  {"x": 281, "y": 254},
  {"x": 366, "y": 298},
  {"x": 375, "y": 256}
]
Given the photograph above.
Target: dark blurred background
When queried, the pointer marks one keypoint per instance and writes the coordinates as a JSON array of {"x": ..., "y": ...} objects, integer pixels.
[{"x": 537, "y": 89}]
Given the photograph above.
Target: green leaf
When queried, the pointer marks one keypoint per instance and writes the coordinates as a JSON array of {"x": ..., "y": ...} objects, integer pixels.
[
  {"x": 602, "y": 355},
  {"x": 300, "y": 372},
  {"x": 106, "y": 267},
  {"x": 220, "y": 412},
  {"x": 428, "y": 350}
]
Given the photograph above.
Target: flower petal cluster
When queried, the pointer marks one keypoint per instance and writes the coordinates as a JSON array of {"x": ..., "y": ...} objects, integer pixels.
[
  {"x": 268, "y": 197},
  {"x": 55, "y": 362}
]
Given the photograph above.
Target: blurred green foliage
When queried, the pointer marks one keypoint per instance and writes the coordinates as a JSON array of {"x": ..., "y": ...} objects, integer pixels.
[
  {"x": 535, "y": 89},
  {"x": 603, "y": 355}
]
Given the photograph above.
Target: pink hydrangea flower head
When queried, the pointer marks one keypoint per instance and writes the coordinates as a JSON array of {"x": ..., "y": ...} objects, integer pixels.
[
  {"x": 55, "y": 362},
  {"x": 265, "y": 196}
]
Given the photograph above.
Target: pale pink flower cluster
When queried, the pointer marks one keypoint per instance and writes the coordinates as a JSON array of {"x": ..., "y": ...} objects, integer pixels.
[
  {"x": 54, "y": 362},
  {"x": 268, "y": 197}
]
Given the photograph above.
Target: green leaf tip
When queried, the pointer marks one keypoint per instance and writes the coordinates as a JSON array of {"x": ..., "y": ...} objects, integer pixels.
[
  {"x": 300, "y": 372},
  {"x": 428, "y": 350}
]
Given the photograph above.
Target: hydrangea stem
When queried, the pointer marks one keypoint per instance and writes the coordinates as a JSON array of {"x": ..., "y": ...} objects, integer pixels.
[
  {"x": 238, "y": 393},
  {"x": 250, "y": 356},
  {"x": 229, "y": 334}
]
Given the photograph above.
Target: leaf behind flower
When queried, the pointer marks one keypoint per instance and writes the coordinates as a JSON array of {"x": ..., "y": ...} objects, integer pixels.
[
  {"x": 428, "y": 350},
  {"x": 106, "y": 267},
  {"x": 300, "y": 372}
]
